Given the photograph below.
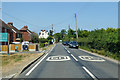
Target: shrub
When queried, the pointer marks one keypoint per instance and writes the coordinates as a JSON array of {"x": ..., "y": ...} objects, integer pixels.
[{"x": 42, "y": 44}]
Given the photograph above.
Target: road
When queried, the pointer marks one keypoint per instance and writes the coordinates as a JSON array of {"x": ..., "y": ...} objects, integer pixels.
[{"x": 74, "y": 64}]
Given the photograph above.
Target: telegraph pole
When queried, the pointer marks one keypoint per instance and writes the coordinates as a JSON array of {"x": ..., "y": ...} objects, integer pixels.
[
  {"x": 52, "y": 28},
  {"x": 69, "y": 26},
  {"x": 76, "y": 26}
]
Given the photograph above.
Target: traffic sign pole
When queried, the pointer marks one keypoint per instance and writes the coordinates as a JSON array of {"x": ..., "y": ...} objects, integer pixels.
[{"x": 8, "y": 45}]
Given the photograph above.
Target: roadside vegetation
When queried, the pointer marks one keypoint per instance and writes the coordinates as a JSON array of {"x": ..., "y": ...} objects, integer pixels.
[
  {"x": 42, "y": 41},
  {"x": 13, "y": 58},
  {"x": 102, "y": 41}
]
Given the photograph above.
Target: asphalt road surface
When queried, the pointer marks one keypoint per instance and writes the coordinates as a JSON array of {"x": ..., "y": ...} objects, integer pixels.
[{"x": 64, "y": 62}]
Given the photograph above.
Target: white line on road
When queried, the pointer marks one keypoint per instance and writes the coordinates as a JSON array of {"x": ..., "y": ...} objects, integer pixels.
[
  {"x": 68, "y": 51},
  {"x": 38, "y": 63},
  {"x": 89, "y": 73},
  {"x": 74, "y": 57}
]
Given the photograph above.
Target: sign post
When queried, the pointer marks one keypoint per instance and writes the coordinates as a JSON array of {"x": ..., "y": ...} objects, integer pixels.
[{"x": 4, "y": 37}]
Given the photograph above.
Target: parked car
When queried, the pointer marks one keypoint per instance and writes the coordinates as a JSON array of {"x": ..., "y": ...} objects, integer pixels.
[
  {"x": 65, "y": 43},
  {"x": 73, "y": 44}
]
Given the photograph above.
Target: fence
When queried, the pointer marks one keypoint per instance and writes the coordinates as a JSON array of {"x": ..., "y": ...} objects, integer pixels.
[
  {"x": 31, "y": 47},
  {"x": 12, "y": 47}
]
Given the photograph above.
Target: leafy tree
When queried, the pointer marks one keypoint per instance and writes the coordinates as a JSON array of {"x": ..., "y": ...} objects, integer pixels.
[
  {"x": 51, "y": 33},
  {"x": 71, "y": 33},
  {"x": 57, "y": 37},
  {"x": 63, "y": 33},
  {"x": 49, "y": 39},
  {"x": 43, "y": 40},
  {"x": 34, "y": 38}
]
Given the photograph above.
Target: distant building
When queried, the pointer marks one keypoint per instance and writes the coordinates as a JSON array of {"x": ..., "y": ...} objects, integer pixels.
[
  {"x": 26, "y": 33},
  {"x": 17, "y": 35},
  {"x": 43, "y": 34}
]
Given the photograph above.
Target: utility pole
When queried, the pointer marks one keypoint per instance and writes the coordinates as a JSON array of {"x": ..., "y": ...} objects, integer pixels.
[
  {"x": 8, "y": 45},
  {"x": 69, "y": 26},
  {"x": 52, "y": 28},
  {"x": 76, "y": 26}
]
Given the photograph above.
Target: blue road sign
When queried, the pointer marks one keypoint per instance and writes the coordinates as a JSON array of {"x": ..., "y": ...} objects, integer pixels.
[{"x": 3, "y": 37}]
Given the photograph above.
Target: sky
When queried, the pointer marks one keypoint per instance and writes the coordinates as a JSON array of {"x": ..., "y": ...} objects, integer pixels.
[{"x": 41, "y": 15}]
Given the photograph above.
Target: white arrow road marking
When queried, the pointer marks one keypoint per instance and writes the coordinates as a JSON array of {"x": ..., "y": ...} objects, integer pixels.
[
  {"x": 89, "y": 73},
  {"x": 38, "y": 63},
  {"x": 74, "y": 57}
]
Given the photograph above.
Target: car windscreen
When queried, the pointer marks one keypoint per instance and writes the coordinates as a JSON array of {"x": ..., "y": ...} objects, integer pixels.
[{"x": 74, "y": 43}]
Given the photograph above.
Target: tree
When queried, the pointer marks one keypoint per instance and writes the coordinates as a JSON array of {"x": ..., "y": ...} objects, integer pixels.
[
  {"x": 49, "y": 39},
  {"x": 43, "y": 40},
  {"x": 71, "y": 33},
  {"x": 63, "y": 33},
  {"x": 34, "y": 38},
  {"x": 51, "y": 32},
  {"x": 57, "y": 37}
]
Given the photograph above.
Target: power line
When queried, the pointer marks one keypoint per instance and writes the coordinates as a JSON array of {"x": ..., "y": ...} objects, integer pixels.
[
  {"x": 18, "y": 19},
  {"x": 55, "y": 25}
]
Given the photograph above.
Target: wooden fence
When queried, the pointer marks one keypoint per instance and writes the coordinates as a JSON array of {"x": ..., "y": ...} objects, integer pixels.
[{"x": 31, "y": 47}]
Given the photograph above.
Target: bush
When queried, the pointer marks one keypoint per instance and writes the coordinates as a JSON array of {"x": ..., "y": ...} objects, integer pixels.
[{"x": 42, "y": 44}]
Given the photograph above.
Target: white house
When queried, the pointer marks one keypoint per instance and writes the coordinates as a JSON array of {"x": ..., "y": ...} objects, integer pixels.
[{"x": 43, "y": 34}]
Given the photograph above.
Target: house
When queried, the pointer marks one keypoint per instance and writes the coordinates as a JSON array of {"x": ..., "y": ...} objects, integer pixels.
[
  {"x": 26, "y": 33},
  {"x": 17, "y": 35},
  {"x": 43, "y": 34},
  {"x": 4, "y": 28}
]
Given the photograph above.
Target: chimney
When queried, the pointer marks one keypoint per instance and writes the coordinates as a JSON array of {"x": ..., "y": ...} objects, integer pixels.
[
  {"x": 10, "y": 23},
  {"x": 26, "y": 27}
]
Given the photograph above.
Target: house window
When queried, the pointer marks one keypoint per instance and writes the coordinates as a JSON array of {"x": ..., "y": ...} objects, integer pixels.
[
  {"x": 18, "y": 35},
  {"x": 5, "y": 30},
  {"x": 42, "y": 33}
]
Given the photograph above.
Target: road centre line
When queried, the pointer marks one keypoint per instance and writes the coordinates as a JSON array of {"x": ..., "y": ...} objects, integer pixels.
[
  {"x": 89, "y": 73},
  {"x": 38, "y": 62},
  {"x": 68, "y": 51},
  {"x": 74, "y": 57}
]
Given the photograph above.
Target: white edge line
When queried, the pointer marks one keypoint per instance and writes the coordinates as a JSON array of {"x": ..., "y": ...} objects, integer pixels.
[
  {"x": 38, "y": 63},
  {"x": 74, "y": 57},
  {"x": 89, "y": 73}
]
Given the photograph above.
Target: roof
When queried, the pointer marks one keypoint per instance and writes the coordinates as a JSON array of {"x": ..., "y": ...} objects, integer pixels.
[
  {"x": 14, "y": 29},
  {"x": 26, "y": 29},
  {"x": 3, "y": 24}
]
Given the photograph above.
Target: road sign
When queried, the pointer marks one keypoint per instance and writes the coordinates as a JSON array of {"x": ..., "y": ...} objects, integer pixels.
[
  {"x": 58, "y": 58},
  {"x": 3, "y": 37},
  {"x": 91, "y": 58}
]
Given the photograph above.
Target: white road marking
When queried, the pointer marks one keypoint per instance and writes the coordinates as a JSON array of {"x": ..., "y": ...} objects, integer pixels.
[
  {"x": 89, "y": 73},
  {"x": 74, "y": 57},
  {"x": 38, "y": 63},
  {"x": 91, "y": 58},
  {"x": 58, "y": 58},
  {"x": 68, "y": 51}
]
